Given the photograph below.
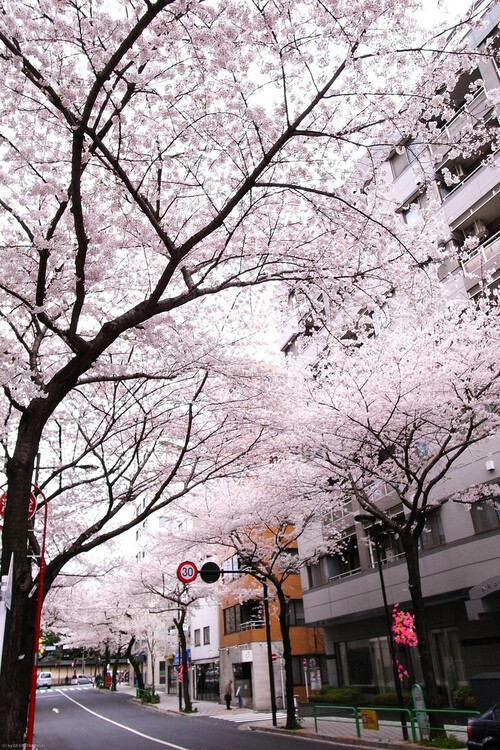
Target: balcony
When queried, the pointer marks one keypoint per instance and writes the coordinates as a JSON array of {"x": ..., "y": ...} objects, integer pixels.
[
  {"x": 478, "y": 194},
  {"x": 252, "y": 625},
  {"x": 478, "y": 110},
  {"x": 484, "y": 260}
]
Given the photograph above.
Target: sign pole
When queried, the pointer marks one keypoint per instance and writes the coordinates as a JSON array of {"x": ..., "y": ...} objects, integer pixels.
[
  {"x": 269, "y": 654},
  {"x": 34, "y": 673}
]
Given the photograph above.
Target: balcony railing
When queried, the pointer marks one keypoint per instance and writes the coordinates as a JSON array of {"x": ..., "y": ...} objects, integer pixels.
[
  {"x": 252, "y": 625},
  {"x": 482, "y": 254},
  {"x": 345, "y": 574},
  {"x": 477, "y": 110}
]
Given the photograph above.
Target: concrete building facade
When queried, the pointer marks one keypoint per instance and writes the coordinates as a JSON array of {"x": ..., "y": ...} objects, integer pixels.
[{"x": 460, "y": 549}]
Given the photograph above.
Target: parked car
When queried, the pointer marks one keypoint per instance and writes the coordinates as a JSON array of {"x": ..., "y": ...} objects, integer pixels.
[
  {"x": 483, "y": 732},
  {"x": 81, "y": 679},
  {"x": 44, "y": 679}
]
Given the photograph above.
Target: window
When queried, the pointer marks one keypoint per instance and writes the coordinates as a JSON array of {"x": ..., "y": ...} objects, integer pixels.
[
  {"x": 433, "y": 534},
  {"x": 448, "y": 660},
  {"x": 313, "y": 662},
  {"x": 231, "y": 565},
  {"x": 485, "y": 515},
  {"x": 411, "y": 211},
  {"x": 346, "y": 561},
  {"x": 230, "y": 623},
  {"x": 389, "y": 543},
  {"x": 316, "y": 575},
  {"x": 197, "y": 637},
  {"x": 246, "y": 616},
  {"x": 206, "y": 635},
  {"x": 404, "y": 156},
  {"x": 251, "y": 615},
  {"x": 342, "y": 509},
  {"x": 377, "y": 489},
  {"x": 296, "y": 612},
  {"x": 162, "y": 672}
]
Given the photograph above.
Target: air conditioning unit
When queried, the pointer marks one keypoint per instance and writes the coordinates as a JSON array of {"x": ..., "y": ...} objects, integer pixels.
[{"x": 479, "y": 229}]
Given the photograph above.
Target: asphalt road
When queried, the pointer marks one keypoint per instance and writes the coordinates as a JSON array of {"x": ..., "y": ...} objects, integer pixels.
[{"x": 88, "y": 719}]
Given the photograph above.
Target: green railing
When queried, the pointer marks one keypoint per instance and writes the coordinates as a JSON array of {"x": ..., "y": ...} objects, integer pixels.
[
  {"x": 397, "y": 723},
  {"x": 392, "y": 723},
  {"x": 453, "y": 720}
]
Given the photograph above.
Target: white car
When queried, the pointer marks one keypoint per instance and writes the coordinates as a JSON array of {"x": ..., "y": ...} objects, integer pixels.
[
  {"x": 81, "y": 679},
  {"x": 44, "y": 680}
]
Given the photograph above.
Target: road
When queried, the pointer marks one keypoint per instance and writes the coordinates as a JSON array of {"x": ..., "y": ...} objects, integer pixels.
[{"x": 88, "y": 719}]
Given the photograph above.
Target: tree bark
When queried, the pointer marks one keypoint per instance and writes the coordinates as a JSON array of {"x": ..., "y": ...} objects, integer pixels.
[
  {"x": 19, "y": 648},
  {"x": 135, "y": 664},
  {"x": 115, "y": 670},
  {"x": 188, "y": 706},
  {"x": 291, "y": 720},
  {"x": 424, "y": 649}
]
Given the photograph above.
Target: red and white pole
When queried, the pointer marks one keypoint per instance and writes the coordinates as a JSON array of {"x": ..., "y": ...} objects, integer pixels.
[{"x": 34, "y": 673}]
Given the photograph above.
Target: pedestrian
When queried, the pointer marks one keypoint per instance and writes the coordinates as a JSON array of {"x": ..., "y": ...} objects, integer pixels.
[{"x": 228, "y": 694}]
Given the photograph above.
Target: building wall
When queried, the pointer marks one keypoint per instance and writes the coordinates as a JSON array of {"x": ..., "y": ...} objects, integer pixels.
[
  {"x": 244, "y": 654},
  {"x": 461, "y": 576}
]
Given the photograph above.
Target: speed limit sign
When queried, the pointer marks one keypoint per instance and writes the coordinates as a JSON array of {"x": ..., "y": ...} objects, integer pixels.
[{"x": 187, "y": 572}]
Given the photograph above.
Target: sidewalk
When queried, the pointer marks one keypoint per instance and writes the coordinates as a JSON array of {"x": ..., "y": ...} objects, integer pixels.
[{"x": 205, "y": 708}]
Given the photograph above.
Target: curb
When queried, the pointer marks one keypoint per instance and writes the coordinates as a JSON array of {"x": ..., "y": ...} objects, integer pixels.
[{"x": 345, "y": 742}]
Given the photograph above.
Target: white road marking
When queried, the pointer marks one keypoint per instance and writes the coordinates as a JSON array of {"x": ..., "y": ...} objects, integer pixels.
[
  {"x": 122, "y": 726},
  {"x": 248, "y": 717}
]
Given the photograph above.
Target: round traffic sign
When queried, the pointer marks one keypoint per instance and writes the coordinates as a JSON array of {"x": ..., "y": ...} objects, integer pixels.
[
  {"x": 274, "y": 657},
  {"x": 187, "y": 572},
  {"x": 31, "y": 506},
  {"x": 210, "y": 572}
]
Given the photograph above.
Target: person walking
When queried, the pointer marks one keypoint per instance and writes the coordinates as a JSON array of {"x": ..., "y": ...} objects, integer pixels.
[{"x": 228, "y": 694}]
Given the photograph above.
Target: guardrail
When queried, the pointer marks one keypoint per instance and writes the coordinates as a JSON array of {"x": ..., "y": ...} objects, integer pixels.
[
  {"x": 393, "y": 724},
  {"x": 454, "y": 720}
]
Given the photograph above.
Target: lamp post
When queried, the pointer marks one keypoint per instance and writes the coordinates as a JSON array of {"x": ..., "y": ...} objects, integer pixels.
[
  {"x": 392, "y": 650},
  {"x": 269, "y": 653}
]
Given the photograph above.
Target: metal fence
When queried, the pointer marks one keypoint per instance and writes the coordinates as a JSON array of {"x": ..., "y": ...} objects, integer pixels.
[{"x": 389, "y": 724}]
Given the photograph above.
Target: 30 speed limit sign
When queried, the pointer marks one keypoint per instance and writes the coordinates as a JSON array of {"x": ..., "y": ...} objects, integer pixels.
[{"x": 187, "y": 572}]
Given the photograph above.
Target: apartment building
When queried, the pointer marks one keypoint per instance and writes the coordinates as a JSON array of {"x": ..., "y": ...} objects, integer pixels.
[
  {"x": 243, "y": 642},
  {"x": 460, "y": 548}
]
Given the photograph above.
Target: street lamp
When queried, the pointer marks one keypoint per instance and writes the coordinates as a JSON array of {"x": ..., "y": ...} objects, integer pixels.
[
  {"x": 392, "y": 650},
  {"x": 269, "y": 653}
]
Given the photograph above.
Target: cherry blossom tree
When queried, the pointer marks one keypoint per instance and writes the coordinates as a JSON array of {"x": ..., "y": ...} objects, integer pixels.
[
  {"x": 157, "y": 157},
  {"x": 122, "y": 450},
  {"x": 164, "y": 596},
  {"x": 392, "y": 414},
  {"x": 263, "y": 529},
  {"x": 101, "y": 614}
]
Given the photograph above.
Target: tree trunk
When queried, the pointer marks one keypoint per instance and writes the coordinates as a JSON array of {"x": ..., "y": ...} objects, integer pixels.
[
  {"x": 135, "y": 664},
  {"x": 19, "y": 648},
  {"x": 291, "y": 720},
  {"x": 188, "y": 707},
  {"x": 115, "y": 670},
  {"x": 421, "y": 627}
]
